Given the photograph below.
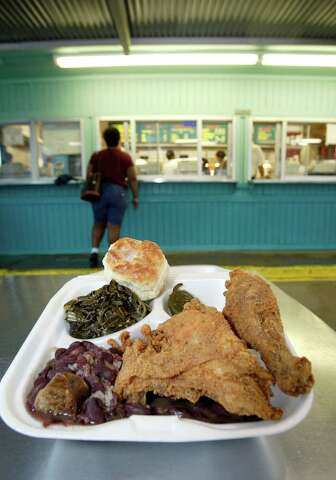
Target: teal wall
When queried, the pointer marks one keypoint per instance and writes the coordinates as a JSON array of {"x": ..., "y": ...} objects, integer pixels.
[{"x": 180, "y": 216}]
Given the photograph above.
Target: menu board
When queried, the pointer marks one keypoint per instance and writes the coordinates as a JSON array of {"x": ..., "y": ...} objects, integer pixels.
[
  {"x": 172, "y": 132},
  {"x": 146, "y": 132},
  {"x": 215, "y": 132},
  {"x": 264, "y": 133}
]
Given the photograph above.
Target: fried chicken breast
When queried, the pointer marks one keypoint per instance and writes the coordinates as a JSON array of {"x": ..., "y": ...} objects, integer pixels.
[
  {"x": 253, "y": 312},
  {"x": 194, "y": 354}
]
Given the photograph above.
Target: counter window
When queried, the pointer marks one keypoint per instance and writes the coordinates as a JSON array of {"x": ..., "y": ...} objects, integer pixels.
[
  {"x": 59, "y": 148},
  {"x": 124, "y": 128},
  {"x": 310, "y": 149},
  {"x": 147, "y": 158},
  {"x": 178, "y": 148},
  {"x": 166, "y": 148},
  {"x": 216, "y": 148},
  {"x": 15, "y": 154},
  {"x": 266, "y": 150}
]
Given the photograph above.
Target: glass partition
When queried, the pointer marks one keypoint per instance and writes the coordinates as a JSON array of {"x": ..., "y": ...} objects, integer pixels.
[
  {"x": 147, "y": 156},
  {"x": 216, "y": 148},
  {"x": 178, "y": 147},
  {"x": 266, "y": 150},
  {"x": 59, "y": 148},
  {"x": 166, "y": 147},
  {"x": 310, "y": 149},
  {"x": 15, "y": 152}
]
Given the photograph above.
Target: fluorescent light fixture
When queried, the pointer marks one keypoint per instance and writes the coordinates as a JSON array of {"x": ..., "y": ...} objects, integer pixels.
[
  {"x": 298, "y": 60},
  {"x": 155, "y": 59},
  {"x": 189, "y": 48}
]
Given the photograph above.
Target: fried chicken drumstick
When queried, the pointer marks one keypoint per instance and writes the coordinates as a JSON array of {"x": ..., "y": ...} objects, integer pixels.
[
  {"x": 252, "y": 310},
  {"x": 194, "y": 354}
]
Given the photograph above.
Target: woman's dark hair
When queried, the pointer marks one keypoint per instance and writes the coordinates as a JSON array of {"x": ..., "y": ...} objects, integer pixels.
[
  {"x": 170, "y": 154},
  {"x": 220, "y": 154},
  {"x": 111, "y": 136}
]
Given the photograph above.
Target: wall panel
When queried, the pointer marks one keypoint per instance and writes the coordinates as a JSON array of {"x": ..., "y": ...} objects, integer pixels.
[
  {"x": 169, "y": 94},
  {"x": 180, "y": 216}
]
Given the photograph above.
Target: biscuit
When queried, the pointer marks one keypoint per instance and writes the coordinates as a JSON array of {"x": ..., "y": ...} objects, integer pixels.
[{"x": 138, "y": 265}]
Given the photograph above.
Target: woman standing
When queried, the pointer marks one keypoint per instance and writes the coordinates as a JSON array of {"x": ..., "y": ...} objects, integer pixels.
[{"x": 117, "y": 172}]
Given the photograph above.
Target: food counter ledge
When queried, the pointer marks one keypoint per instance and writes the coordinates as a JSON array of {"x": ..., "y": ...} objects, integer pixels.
[{"x": 305, "y": 452}]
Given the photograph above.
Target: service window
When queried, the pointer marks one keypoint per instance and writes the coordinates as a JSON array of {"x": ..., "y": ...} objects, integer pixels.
[
  {"x": 310, "y": 149},
  {"x": 124, "y": 127},
  {"x": 146, "y": 152},
  {"x": 217, "y": 148},
  {"x": 178, "y": 147},
  {"x": 15, "y": 153},
  {"x": 266, "y": 150},
  {"x": 59, "y": 148},
  {"x": 166, "y": 147}
]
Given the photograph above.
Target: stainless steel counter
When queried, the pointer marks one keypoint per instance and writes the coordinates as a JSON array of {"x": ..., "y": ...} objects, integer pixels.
[{"x": 307, "y": 452}]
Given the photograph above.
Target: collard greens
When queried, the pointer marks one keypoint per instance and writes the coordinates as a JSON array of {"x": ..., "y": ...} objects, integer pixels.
[{"x": 103, "y": 311}]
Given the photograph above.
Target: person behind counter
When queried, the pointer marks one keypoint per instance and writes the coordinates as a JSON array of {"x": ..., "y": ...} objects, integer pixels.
[
  {"x": 221, "y": 163},
  {"x": 117, "y": 170},
  {"x": 170, "y": 166},
  {"x": 8, "y": 167}
]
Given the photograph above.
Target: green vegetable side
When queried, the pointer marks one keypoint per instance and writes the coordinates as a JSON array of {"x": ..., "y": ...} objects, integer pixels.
[
  {"x": 177, "y": 299},
  {"x": 103, "y": 311}
]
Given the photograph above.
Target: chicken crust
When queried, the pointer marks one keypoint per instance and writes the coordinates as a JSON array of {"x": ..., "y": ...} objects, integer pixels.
[
  {"x": 194, "y": 354},
  {"x": 252, "y": 310}
]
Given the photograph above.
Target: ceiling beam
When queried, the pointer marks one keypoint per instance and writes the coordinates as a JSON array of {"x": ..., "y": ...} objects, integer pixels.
[
  {"x": 117, "y": 9},
  {"x": 169, "y": 41},
  {"x": 232, "y": 41}
]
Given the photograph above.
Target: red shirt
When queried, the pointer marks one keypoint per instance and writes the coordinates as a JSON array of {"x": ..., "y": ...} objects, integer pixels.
[{"x": 112, "y": 163}]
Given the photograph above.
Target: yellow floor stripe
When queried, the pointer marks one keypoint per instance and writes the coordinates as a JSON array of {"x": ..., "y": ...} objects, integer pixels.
[
  {"x": 295, "y": 273},
  {"x": 48, "y": 271}
]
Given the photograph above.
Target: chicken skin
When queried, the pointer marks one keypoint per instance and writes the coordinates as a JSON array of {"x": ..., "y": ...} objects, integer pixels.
[
  {"x": 253, "y": 313},
  {"x": 194, "y": 354}
]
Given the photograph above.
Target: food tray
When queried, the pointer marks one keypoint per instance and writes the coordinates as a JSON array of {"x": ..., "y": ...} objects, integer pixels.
[{"x": 51, "y": 332}]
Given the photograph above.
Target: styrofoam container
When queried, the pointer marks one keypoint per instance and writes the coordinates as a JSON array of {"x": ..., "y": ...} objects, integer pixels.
[{"x": 51, "y": 332}]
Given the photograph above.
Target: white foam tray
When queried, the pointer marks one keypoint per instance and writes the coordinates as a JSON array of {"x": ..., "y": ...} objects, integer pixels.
[{"x": 50, "y": 332}]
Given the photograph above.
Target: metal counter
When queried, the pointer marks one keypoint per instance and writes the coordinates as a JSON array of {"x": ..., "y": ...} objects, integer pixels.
[{"x": 306, "y": 452}]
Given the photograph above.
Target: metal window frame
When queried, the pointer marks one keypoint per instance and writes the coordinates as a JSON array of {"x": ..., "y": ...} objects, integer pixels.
[
  {"x": 306, "y": 178},
  {"x": 284, "y": 124},
  {"x": 252, "y": 121},
  {"x": 35, "y": 178},
  {"x": 81, "y": 136},
  {"x": 32, "y": 177},
  {"x": 199, "y": 119}
]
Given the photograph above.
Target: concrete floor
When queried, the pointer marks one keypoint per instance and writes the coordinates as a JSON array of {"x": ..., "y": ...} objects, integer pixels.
[
  {"x": 317, "y": 296},
  {"x": 23, "y": 262}
]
